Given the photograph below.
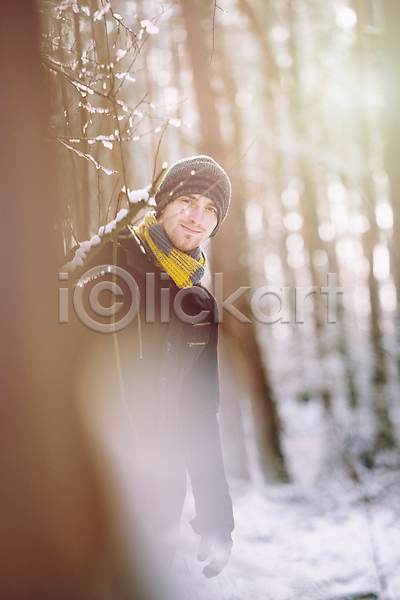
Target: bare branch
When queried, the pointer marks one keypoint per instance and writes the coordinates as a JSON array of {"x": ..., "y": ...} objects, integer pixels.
[
  {"x": 158, "y": 148},
  {"x": 89, "y": 157},
  {"x": 138, "y": 199}
]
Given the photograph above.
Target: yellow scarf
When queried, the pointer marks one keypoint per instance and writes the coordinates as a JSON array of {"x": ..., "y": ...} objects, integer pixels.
[{"x": 184, "y": 268}]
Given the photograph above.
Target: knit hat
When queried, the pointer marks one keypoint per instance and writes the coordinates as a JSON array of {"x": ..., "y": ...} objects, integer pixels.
[{"x": 196, "y": 175}]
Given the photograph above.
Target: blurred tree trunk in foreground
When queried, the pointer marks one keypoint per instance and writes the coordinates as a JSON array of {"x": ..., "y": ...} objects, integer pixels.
[
  {"x": 58, "y": 536},
  {"x": 226, "y": 261}
]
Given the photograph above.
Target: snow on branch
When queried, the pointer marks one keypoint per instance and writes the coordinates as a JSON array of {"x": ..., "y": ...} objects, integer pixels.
[
  {"x": 90, "y": 158},
  {"x": 138, "y": 199},
  {"x": 99, "y": 14},
  {"x": 149, "y": 27}
]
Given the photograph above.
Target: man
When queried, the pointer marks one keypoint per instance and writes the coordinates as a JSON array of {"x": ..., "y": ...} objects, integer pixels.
[{"x": 169, "y": 361}]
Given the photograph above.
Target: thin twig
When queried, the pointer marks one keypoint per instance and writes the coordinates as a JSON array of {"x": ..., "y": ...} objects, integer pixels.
[
  {"x": 213, "y": 32},
  {"x": 243, "y": 155},
  {"x": 90, "y": 158},
  {"x": 77, "y": 84},
  {"x": 70, "y": 226},
  {"x": 158, "y": 149},
  {"x": 124, "y": 26},
  {"x": 66, "y": 49},
  {"x": 119, "y": 141},
  {"x": 213, "y": 29}
]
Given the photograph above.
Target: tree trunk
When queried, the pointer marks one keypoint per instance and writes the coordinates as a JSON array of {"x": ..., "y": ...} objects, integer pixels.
[
  {"x": 385, "y": 437},
  {"x": 226, "y": 260},
  {"x": 391, "y": 129}
]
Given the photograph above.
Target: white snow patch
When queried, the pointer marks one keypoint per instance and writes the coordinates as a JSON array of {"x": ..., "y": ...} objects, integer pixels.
[
  {"x": 85, "y": 246},
  {"x": 110, "y": 227},
  {"x": 136, "y": 196},
  {"x": 120, "y": 53},
  {"x": 95, "y": 240},
  {"x": 101, "y": 12},
  {"x": 102, "y": 138},
  {"x": 121, "y": 214},
  {"x": 125, "y": 76},
  {"x": 149, "y": 27}
]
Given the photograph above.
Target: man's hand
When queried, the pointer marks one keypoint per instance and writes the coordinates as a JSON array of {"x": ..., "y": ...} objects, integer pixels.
[{"x": 221, "y": 551}]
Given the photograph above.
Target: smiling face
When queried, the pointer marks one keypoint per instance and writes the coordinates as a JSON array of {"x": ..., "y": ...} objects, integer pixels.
[{"x": 189, "y": 220}]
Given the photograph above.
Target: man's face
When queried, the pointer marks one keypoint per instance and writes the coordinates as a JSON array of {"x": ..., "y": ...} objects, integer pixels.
[{"x": 189, "y": 220}]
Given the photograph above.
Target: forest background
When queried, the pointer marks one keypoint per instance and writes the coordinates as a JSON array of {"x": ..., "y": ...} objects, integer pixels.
[{"x": 298, "y": 100}]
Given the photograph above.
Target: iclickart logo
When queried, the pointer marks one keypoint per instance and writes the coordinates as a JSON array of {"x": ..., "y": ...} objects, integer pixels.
[{"x": 86, "y": 296}]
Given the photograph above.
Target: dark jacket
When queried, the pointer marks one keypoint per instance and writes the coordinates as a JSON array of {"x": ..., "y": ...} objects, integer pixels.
[{"x": 174, "y": 397}]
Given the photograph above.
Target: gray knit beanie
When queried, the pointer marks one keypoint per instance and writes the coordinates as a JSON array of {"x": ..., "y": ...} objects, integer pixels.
[{"x": 197, "y": 175}]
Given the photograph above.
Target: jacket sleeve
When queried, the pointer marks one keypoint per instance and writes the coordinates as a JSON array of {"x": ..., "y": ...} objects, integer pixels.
[{"x": 205, "y": 465}]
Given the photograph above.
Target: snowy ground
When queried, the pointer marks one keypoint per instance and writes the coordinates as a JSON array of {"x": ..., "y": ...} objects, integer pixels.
[
  {"x": 323, "y": 536},
  {"x": 323, "y": 543}
]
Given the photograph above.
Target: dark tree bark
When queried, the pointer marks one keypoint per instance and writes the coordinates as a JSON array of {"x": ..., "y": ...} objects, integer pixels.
[
  {"x": 392, "y": 117},
  {"x": 385, "y": 437},
  {"x": 232, "y": 428},
  {"x": 391, "y": 129},
  {"x": 226, "y": 260}
]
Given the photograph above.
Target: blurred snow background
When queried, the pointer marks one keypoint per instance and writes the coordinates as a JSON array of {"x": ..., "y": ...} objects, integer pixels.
[{"x": 325, "y": 535}]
